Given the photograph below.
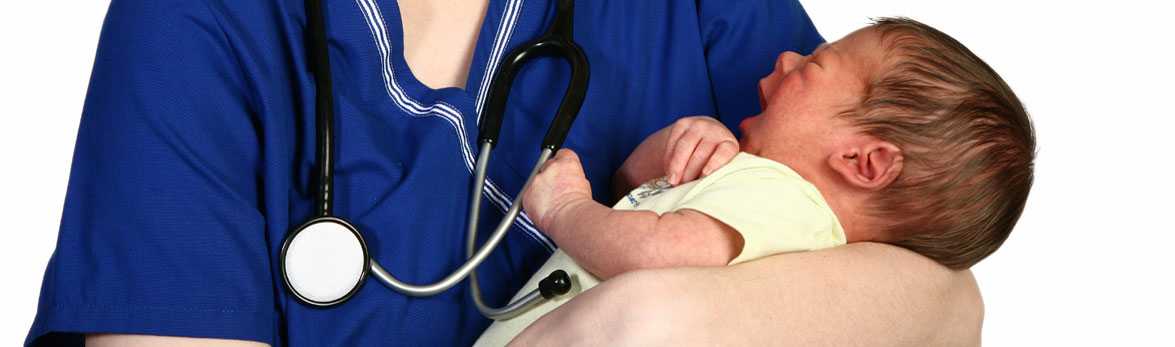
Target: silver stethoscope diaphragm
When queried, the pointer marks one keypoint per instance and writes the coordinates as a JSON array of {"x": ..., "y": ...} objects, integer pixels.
[{"x": 324, "y": 261}]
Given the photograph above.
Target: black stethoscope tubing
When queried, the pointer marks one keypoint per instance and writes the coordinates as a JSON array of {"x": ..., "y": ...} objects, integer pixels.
[{"x": 323, "y": 106}]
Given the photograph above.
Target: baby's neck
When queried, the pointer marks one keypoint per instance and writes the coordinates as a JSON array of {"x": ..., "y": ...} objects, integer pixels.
[{"x": 849, "y": 208}]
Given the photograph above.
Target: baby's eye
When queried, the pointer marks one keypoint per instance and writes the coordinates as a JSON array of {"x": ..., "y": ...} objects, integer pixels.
[{"x": 820, "y": 48}]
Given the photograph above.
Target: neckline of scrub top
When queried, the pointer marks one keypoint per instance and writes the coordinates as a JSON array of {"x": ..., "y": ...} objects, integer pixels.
[
  {"x": 493, "y": 36},
  {"x": 459, "y": 107}
]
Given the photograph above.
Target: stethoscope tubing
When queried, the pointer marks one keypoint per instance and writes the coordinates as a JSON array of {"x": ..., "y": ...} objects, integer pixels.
[
  {"x": 533, "y": 297},
  {"x": 474, "y": 258},
  {"x": 323, "y": 106}
]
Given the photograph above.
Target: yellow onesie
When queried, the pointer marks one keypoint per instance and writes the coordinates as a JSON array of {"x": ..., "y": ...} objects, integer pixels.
[{"x": 770, "y": 205}]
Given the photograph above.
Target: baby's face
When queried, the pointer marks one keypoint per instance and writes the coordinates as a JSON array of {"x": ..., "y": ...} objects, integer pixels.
[{"x": 803, "y": 95}]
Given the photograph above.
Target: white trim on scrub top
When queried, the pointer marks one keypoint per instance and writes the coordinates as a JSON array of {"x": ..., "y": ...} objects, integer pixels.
[{"x": 376, "y": 23}]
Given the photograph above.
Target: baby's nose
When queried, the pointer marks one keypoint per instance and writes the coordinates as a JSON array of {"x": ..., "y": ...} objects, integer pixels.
[{"x": 788, "y": 61}]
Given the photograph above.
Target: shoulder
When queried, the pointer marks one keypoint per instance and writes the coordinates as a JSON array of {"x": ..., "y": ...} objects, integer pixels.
[
  {"x": 212, "y": 16},
  {"x": 771, "y": 194},
  {"x": 164, "y": 24},
  {"x": 762, "y": 11},
  {"x": 749, "y": 169}
]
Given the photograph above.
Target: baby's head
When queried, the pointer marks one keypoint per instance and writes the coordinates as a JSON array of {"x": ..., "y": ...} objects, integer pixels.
[{"x": 912, "y": 139}]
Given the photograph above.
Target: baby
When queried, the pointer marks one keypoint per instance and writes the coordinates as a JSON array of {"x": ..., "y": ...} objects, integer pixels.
[{"x": 896, "y": 134}]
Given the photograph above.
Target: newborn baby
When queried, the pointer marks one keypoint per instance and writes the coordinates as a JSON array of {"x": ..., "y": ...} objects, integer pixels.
[{"x": 896, "y": 134}]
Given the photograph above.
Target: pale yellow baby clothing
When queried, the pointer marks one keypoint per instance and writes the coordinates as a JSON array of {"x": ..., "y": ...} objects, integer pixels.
[{"x": 770, "y": 205}]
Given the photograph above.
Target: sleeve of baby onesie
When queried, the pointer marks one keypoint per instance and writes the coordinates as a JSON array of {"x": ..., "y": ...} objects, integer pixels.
[{"x": 769, "y": 209}]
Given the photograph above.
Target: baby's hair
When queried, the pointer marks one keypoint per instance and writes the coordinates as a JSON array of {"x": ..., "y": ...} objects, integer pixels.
[{"x": 967, "y": 142}]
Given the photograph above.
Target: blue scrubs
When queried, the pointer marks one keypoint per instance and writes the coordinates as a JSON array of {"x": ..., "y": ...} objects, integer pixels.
[{"x": 196, "y": 153}]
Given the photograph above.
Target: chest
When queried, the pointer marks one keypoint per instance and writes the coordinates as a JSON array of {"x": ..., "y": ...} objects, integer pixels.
[
  {"x": 440, "y": 37},
  {"x": 656, "y": 195}
]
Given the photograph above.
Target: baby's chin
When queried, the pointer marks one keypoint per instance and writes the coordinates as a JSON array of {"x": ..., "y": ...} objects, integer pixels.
[{"x": 746, "y": 145}]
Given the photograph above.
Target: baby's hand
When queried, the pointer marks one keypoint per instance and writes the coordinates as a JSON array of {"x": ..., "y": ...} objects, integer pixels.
[
  {"x": 559, "y": 183},
  {"x": 696, "y": 147}
]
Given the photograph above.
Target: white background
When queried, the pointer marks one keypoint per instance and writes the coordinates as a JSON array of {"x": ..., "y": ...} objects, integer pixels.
[{"x": 1089, "y": 263}]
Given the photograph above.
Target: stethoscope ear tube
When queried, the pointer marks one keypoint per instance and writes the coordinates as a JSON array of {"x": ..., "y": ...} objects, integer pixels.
[
  {"x": 561, "y": 40},
  {"x": 557, "y": 41},
  {"x": 323, "y": 106}
]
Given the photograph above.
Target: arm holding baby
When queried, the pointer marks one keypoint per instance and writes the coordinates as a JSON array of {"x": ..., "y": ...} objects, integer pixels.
[
  {"x": 860, "y": 294},
  {"x": 609, "y": 242}
]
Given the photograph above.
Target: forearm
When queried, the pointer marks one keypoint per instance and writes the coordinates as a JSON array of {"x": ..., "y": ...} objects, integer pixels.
[
  {"x": 604, "y": 241},
  {"x": 120, "y": 340},
  {"x": 856, "y": 295},
  {"x": 609, "y": 242}
]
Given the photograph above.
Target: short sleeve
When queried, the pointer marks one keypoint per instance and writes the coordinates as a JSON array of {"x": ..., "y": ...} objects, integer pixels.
[
  {"x": 162, "y": 232},
  {"x": 770, "y": 210},
  {"x": 741, "y": 39}
]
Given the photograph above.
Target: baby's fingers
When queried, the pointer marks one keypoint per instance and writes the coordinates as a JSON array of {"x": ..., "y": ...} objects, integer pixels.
[
  {"x": 567, "y": 154},
  {"x": 564, "y": 162},
  {"x": 697, "y": 162},
  {"x": 723, "y": 153},
  {"x": 680, "y": 155}
]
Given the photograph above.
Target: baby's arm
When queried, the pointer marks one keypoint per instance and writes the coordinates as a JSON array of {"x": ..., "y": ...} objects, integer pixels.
[
  {"x": 642, "y": 165},
  {"x": 609, "y": 242},
  {"x": 688, "y": 149}
]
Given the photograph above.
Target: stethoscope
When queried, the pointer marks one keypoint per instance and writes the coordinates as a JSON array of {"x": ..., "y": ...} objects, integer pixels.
[{"x": 325, "y": 261}]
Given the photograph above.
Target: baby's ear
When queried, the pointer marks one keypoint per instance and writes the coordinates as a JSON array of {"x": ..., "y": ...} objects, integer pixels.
[{"x": 870, "y": 164}]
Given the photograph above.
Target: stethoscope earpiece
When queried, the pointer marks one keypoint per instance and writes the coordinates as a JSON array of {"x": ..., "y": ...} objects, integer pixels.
[{"x": 555, "y": 284}]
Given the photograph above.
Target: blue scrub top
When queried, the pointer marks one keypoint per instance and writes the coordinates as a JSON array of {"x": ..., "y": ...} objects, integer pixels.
[{"x": 196, "y": 153}]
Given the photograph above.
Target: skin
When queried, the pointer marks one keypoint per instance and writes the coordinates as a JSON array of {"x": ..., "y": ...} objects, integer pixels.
[
  {"x": 861, "y": 294},
  {"x": 800, "y": 127},
  {"x": 113, "y": 340},
  {"x": 439, "y": 39},
  {"x": 678, "y": 152}
]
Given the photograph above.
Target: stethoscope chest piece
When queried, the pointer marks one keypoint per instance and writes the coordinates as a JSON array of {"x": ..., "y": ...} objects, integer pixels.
[{"x": 324, "y": 262}]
